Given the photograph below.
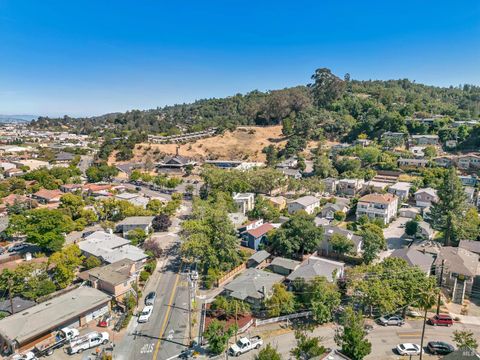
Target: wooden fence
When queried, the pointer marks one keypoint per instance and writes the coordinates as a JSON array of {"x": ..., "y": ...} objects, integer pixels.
[{"x": 228, "y": 276}]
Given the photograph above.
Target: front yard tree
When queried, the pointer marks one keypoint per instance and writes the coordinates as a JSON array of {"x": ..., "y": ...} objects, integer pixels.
[
  {"x": 447, "y": 213},
  {"x": 341, "y": 244},
  {"x": 136, "y": 236},
  {"x": 296, "y": 237},
  {"x": 268, "y": 353},
  {"x": 282, "y": 301},
  {"x": 411, "y": 228},
  {"x": 307, "y": 347},
  {"x": 161, "y": 222},
  {"x": 217, "y": 336},
  {"x": 352, "y": 338},
  {"x": 373, "y": 241},
  {"x": 465, "y": 339}
]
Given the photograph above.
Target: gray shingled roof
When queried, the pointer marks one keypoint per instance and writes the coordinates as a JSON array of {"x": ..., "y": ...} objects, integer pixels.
[
  {"x": 415, "y": 258},
  {"x": 251, "y": 283},
  {"x": 306, "y": 200},
  {"x": 315, "y": 267},
  {"x": 285, "y": 263},
  {"x": 470, "y": 245},
  {"x": 259, "y": 256},
  {"x": 458, "y": 260}
]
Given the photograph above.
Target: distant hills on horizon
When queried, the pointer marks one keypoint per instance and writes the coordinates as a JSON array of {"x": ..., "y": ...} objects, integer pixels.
[{"x": 17, "y": 118}]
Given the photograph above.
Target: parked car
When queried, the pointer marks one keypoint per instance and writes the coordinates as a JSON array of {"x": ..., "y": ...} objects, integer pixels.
[
  {"x": 244, "y": 345},
  {"x": 105, "y": 320},
  {"x": 145, "y": 314},
  {"x": 408, "y": 349},
  {"x": 391, "y": 321},
  {"x": 439, "y": 348},
  {"x": 441, "y": 319},
  {"x": 150, "y": 298},
  {"x": 17, "y": 247}
]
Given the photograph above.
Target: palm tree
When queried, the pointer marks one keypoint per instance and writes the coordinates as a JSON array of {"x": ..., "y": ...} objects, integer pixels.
[{"x": 427, "y": 299}]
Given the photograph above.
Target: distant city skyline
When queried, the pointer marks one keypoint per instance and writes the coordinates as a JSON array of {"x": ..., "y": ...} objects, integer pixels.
[{"x": 95, "y": 57}]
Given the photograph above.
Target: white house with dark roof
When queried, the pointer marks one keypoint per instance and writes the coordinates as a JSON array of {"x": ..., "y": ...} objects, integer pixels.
[
  {"x": 245, "y": 201},
  {"x": 306, "y": 203},
  {"x": 400, "y": 189}
]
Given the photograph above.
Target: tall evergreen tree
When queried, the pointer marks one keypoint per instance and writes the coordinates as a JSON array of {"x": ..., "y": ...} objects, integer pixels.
[
  {"x": 448, "y": 212},
  {"x": 352, "y": 338}
]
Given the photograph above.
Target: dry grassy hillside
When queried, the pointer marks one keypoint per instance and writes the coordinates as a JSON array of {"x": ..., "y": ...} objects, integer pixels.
[{"x": 245, "y": 143}]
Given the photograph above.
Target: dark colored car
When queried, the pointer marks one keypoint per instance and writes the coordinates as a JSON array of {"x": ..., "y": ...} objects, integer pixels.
[
  {"x": 150, "y": 298},
  {"x": 439, "y": 348},
  {"x": 441, "y": 319}
]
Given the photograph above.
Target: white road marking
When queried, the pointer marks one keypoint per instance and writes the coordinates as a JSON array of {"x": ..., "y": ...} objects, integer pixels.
[{"x": 147, "y": 348}]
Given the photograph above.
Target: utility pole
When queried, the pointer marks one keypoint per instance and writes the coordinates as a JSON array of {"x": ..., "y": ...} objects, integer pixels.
[
  {"x": 236, "y": 319},
  {"x": 440, "y": 286},
  {"x": 10, "y": 295},
  {"x": 189, "y": 310}
]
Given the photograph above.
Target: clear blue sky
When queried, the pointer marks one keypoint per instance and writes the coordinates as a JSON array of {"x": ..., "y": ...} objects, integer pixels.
[{"x": 87, "y": 57}]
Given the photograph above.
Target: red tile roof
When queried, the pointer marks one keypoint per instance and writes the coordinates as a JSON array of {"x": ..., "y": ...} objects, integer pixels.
[
  {"x": 261, "y": 230},
  {"x": 48, "y": 194}
]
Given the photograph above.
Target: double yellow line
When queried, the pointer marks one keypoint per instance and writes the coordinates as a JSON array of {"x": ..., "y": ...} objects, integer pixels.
[{"x": 167, "y": 314}]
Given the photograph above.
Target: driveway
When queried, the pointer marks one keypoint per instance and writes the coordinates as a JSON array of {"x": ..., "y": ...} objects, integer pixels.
[{"x": 394, "y": 235}]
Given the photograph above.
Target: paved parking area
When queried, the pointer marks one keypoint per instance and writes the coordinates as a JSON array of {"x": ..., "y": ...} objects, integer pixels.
[{"x": 394, "y": 235}]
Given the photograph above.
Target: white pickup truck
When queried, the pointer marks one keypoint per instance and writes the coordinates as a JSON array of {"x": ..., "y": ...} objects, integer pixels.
[
  {"x": 244, "y": 345},
  {"x": 88, "y": 341}
]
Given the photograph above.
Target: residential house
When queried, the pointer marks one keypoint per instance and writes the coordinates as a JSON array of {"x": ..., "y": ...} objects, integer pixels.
[
  {"x": 278, "y": 202},
  {"x": 291, "y": 173},
  {"x": 378, "y": 206},
  {"x": 415, "y": 257},
  {"x": 283, "y": 266},
  {"x": 45, "y": 196},
  {"x": 468, "y": 180},
  {"x": 325, "y": 247},
  {"x": 135, "y": 199},
  {"x": 424, "y": 139},
  {"x": 306, "y": 203},
  {"x": 451, "y": 144},
  {"x": 97, "y": 189},
  {"x": 12, "y": 172},
  {"x": 393, "y": 135},
  {"x": 412, "y": 163},
  {"x": 374, "y": 186},
  {"x": 349, "y": 187},
  {"x": 135, "y": 222},
  {"x": 70, "y": 188},
  {"x": 258, "y": 259},
  {"x": 115, "y": 279},
  {"x": 417, "y": 151},
  {"x": 245, "y": 201},
  {"x": 63, "y": 158},
  {"x": 332, "y": 354},
  {"x": 329, "y": 209},
  {"x": 253, "y": 286},
  {"x": 254, "y": 237},
  {"x": 316, "y": 266},
  {"x": 14, "y": 199},
  {"x": 290, "y": 163},
  {"x": 7, "y": 166},
  {"x": 470, "y": 245},
  {"x": 400, "y": 189},
  {"x": 363, "y": 142},
  {"x": 469, "y": 161},
  {"x": 237, "y": 219},
  {"x": 75, "y": 308},
  {"x": 250, "y": 225},
  {"x": 444, "y": 161},
  {"x": 330, "y": 185},
  {"x": 111, "y": 248},
  {"x": 426, "y": 197},
  {"x": 425, "y": 231},
  {"x": 409, "y": 212},
  {"x": 461, "y": 272}
]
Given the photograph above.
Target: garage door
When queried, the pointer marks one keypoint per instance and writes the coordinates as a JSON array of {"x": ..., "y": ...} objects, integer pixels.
[{"x": 96, "y": 314}]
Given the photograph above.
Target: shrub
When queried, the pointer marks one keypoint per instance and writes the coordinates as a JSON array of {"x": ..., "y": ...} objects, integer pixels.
[{"x": 144, "y": 275}]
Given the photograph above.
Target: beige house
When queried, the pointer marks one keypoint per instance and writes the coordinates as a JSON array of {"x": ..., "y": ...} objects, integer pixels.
[
  {"x": 378, "y": 206},
  {"x": 115, "y": 279},
  {"x": 426, "y": 197}
]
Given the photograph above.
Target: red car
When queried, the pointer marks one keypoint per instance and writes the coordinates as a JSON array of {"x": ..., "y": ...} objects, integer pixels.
[
  {"x": 105, "y": 321},
  {"x": 441, "y": 319}
]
